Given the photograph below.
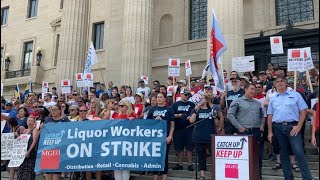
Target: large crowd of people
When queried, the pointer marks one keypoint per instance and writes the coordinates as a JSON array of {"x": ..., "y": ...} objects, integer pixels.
[{"x": 264, "y": 105}]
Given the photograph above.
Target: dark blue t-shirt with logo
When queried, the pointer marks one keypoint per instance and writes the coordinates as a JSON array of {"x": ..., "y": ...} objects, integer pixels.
[
  {"x": 203, "y": 130},
  {"x": 185, "y": 109},
  {"x": 231, "y": 95},
  {"x": 164, "y": 112}
]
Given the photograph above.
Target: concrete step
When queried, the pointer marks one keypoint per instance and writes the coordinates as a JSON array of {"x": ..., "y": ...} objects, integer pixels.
[
  {"x": 268, "y": 172},
  {"x": 173, "y": 158},
  {"x": 266, "y": 163},
  {"x": 309, "y": 151}
]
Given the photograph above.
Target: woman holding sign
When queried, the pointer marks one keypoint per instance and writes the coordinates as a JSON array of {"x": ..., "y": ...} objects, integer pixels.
[
  {"x": 163, "y": 112},
  {"x": 26, "y": 169}
]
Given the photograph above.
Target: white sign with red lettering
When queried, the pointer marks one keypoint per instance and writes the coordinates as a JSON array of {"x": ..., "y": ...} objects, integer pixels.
[
  {"x": 276, "y": 45},
  {"x": 145, "y": 79},
  {"x": 188, "y": 68},
  {"x": 308, "y": 63},
  {"x": 45, "y": 87},
  {"x": 231, "y": 157},
  {"x": 88, "y": 79},
  {"x": 80, "y": 81},
  {"x": 174, "y": 67},
  {"x": 65, "y": 86},
  {"x": 300, "y": 59}
]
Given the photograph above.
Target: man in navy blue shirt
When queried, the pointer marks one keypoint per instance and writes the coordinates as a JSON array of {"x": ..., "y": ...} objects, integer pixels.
[
  {"x": 11, "y": 114},
  {"x": 183, "y": 136}
]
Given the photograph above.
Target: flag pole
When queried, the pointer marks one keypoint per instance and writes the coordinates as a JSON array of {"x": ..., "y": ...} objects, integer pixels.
[{"x": 309, "y": 80}]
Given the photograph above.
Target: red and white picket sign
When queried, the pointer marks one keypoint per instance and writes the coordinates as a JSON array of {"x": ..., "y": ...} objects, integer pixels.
[
  {"x": 88, "y": 79},
  {"x": 79, "y": 79},
  {"x": 276, "y": 45},
  {"x": 65, "y": 86},
  {"x": 188, "y": 67},
  {"x": 45, "y": 87},
  {"x": 174, "y": 67},
  {"x": 145, "y": 79},
  {"x": 300, "y": 59}
]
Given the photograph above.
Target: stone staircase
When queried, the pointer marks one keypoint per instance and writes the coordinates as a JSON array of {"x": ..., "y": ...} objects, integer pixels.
[{"x": 268, "y": 173}]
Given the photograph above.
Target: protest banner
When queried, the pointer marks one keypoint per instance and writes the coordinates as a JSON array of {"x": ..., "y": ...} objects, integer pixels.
[
  {"x": 102, "y": 145},
  {"x": 19, "y": 150},
  {"x": 80, "y": 81},
  {"x": 188, "y": 68},
  {"x": 300, "y": 59},
  {"x": 243, "y": 64},
  {"x": 6, "y": 145},
  {"x": 174, "y": 67},
  {"x": 276, "y": 45},
  {"x": 65, "y": 86},
  {"x": 45, "y": 87},
  {"x": 88, "y": 79},
  {"x": 145, "y": 79},
  {"x": 231, "y": 156},
  {"x": 308, "y": 63}
]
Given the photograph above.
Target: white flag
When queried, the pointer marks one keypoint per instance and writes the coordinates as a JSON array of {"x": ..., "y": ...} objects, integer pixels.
[{"x": 91, "y": 58}]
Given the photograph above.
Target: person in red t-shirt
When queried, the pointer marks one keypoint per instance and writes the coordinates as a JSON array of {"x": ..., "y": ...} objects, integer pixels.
[
  {"x": 315, "y": 126},
  {"x": 125, "y": 112},
  {"x": 139, "y": 105}
]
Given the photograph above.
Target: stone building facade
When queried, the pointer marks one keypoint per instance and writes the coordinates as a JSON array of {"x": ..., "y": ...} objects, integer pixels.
[{"x": 136, "y": 37}]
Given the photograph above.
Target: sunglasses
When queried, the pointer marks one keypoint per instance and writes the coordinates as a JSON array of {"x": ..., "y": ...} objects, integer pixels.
[
  {"x": 34, "y": 106},
  {"x": 74, "y": 94},
  {"x": 73, "y": 109},
  {"x": 9, "y": 105},
  {"x": 122, "y": 105},
  {"x": 83, "y": 110}
]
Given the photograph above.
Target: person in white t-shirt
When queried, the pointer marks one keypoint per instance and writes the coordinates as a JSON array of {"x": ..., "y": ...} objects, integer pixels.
[
  {"x": 143, "y": 89},
  {"x": 47, "y": 101}
]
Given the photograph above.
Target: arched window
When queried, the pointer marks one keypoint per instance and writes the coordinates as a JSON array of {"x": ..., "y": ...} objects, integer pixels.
[
  {"x": 294, "y": 11},
  {"x": 198, "y": 19},
  {"x": 166, "y": 29}
]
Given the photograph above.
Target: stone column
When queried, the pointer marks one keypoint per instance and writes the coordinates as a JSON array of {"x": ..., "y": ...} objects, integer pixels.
[
  {"x": 230, "y": 18},
  {"x": 137, "y": 44},
  {"x": 73, "y": 41}
]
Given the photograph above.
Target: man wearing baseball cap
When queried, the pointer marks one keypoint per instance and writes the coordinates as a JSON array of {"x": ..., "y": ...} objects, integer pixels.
[
  {"x": 9, "y": 113},
  {"x": 183, "y": 136},
  {"x": 231, "y": 95}
]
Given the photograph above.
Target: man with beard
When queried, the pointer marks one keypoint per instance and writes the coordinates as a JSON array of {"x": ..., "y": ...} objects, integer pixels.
[{"x": 231, "y": 95}]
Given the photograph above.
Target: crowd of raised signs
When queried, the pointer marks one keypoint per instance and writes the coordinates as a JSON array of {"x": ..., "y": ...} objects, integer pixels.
[{"x": 106, "y": 102}]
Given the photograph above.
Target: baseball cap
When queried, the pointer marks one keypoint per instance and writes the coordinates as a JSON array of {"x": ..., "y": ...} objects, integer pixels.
[
  {"x": 183, "y": 81},
  {"x": 140, "y": 94},
  {"x": 245, "y": 78},
  {"x": 141, "y": 81},
  {"x": 262, "y": 72},
  {"x": 290, "y": 80},
  {"x": 185, "y": 91},
  {"x": 9, "y": 104}
]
